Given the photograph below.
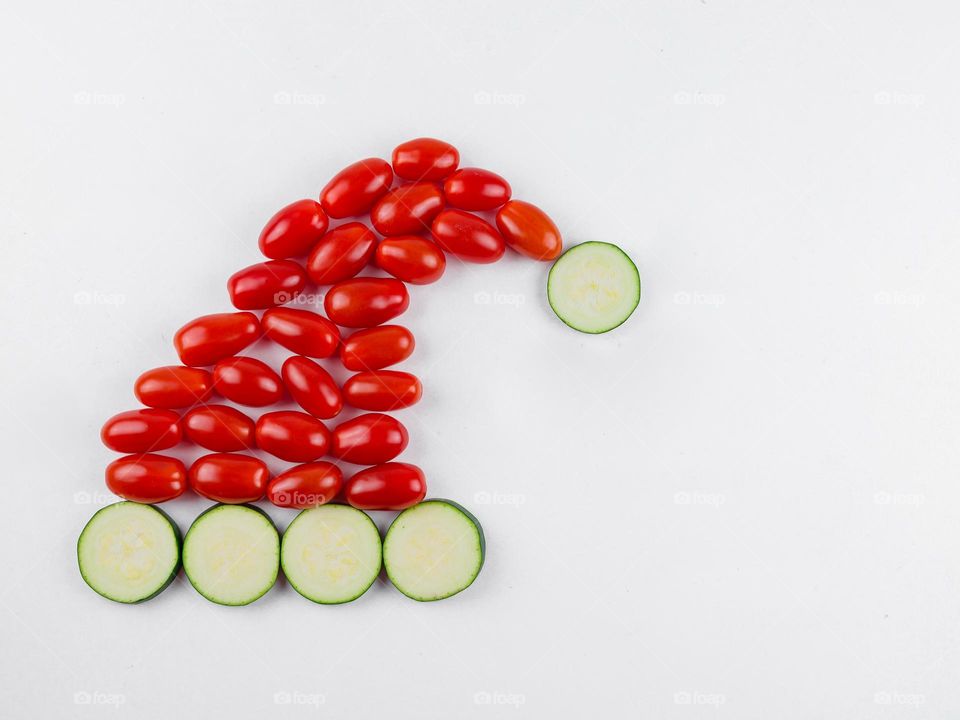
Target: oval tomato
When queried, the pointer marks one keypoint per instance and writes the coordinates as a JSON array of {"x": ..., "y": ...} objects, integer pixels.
[
  {"x": 301, "y": 331},
  {"x": 529, "y": 230},
  {"x": 293, "y": 230},
  {"x": 173, "y": 386},
  {"x": 407, "y": 209},
  {"x": 383, "y": 390},
  {"x": 355, "y": 189},
  {"x": 411, "y": 259},
  {"x": 266, "y": 284},
  {"x": 229, "y": 478},
  {"x": 391, "y": 486},
  {"x": 209, "y": 338},
  {"x": 369, "y": 439},
  {"x": 306, "y": 486},
  {"x": 293, "y": 436},
  {"x": 247, "y": 381},
  {"x": 425, "y": 159},
  {"x": 468, "y": 236},
  {"x": 376, "y": 348},
  {"x": 365, "y": 301},
  {"x": 147, "y": 478},
  {"x": 141, "y": 431},
  {"x": 476, "y": 189},
  {"x": 219, "y": 427},
  {"x": 341, "y": 253},
  {"x": 312, "y": 387}
]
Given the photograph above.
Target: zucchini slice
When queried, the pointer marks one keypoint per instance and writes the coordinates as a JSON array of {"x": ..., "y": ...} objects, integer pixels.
[
  {"x": 331, "y": 554},
  {"x": 231, "y": 554},
  {"x": 129, "y": 552},
  {"x": 594, "y": 287},
  {"x": 433, "y": 550}
]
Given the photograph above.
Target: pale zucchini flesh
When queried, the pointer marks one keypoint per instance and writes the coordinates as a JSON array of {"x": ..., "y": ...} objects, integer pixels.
[
  {"x": 434, "y": 550},
  {"x": 129, "y": 552},
  {"x": 594, "y": 287},
  {"x": 331, "y": 554},
  {"x": 231, "y": 554}
]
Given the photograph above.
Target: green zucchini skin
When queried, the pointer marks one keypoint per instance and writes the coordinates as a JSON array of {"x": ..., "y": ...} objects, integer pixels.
[{"x": 178, "y": 538}]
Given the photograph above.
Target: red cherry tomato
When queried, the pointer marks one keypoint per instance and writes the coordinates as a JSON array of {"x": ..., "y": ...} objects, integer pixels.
[
  {"x": 355, "y": 189},
  {"x": 247, "y": 381},
  {"x": 365, "y": 301},
  {"x": 341, "y": 253},
  {"x": 425, "y": 159},
  {"x": 301, "y": 331},
  {"x": 369, "y": 439},
  {"x": 229, "y": 478},
  {"x": 213, "y": 337},
  {"x": 219, "y": 427},
  {"x": 312, "y": 387},
  {"x": 407, "y": 209},
  {"x": 412, "y": 259},
  {"x": 468, "y": 236},
  {"x": 173, "y": 386},
  {"x": 293, "y": 230},
  {"x": 383, "y": 390},
  {"x": 266, "y": 284},
  {"x": 293, "y": 436},
  {"x": 141, "y": 431},
  {"x": 529, "y": 231},
  {"x": 147, "y": 478},
  {"x": 476, "y": 189},
  {"x": 306, "y": 486},
  {"x": 391, "y": 486},
  {"x": 376, "y": 348}
]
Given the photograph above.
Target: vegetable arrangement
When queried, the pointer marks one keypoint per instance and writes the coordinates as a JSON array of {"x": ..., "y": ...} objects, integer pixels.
[{"x": 332, "y": 552}]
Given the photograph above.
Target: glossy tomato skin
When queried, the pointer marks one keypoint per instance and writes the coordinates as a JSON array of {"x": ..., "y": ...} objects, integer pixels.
[
  {"x": 369, "y": 439},
  {"x": 142, "y": 431},
  {"x": 390, "y": 486},
  {"x": 382, "y": 390},
  {"x": 306, "y": 486},
  {"x": 293, "y": 436},
  {"x": 529, "y": 230},
  {"x": 468, "y": 237},
  {"x": 476, "y": 189},
  {"x": 412, "y": 259},
  {"x": 147, "y": 478},
  {"x": 173, "y": 386},
  {"x": 229, "y": 478},
  {"x": 376, "y": 348},
  {"x": 341, "y": 253},
  {"x": 407, "y": 209},
  {"x": 209, "y": 338},
  {"x": 366, "y": 301},
  {"x": 293, "y": 230},
  {"x": 247, "y": 381},
  {"x": 301, "y": 331},
  {"x": 219, "y": 427},
  {"x": 425, "y": 159},
  {"x": 312, "y": 387},
  {"x": 266, "y": 284},
  {"x": 355, "y": 189}
]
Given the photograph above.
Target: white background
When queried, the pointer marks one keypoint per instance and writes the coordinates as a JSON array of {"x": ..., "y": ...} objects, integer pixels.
[{"x": 743, "y": 503}]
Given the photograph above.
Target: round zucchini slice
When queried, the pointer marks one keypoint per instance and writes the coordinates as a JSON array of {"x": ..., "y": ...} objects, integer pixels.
[
  {"x": 331, "y": 554},
  {"x": 594, "y": 287},
  {"x": 129, "y": 552},
  {"x": 434, "y": 550},
  {"x": 231, "y": 554}
]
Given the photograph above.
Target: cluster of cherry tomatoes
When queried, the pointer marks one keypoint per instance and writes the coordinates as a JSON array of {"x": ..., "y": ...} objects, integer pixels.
[{"x": 430, "y": 214}]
